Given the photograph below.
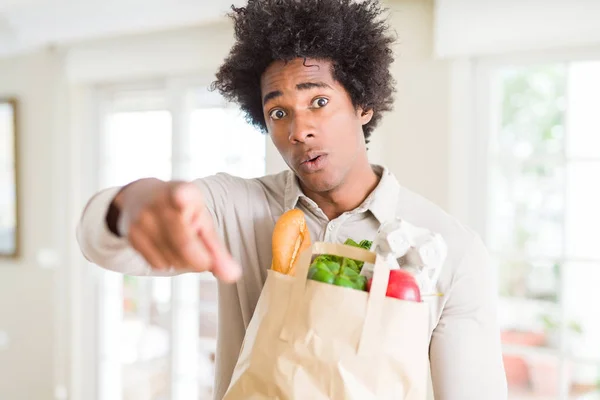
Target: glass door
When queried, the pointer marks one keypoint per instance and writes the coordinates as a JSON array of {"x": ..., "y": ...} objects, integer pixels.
[{"x": 157, "y": 336}]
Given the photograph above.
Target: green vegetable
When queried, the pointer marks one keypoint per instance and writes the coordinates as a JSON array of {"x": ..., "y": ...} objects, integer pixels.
[
  {"x": 351, "y": 265},
  {"x": 360, "y": 283},
  {"x": 364, "y": 244},
  {"x": 333, "y": 266},
  {"x": 323, "y": 276},
  {"x": 344, "y": 282},
  {"x": 349, "y": 272},
  {"x": 340, "y": 271},
  {"x": 321, "y": 265},
  {"x": 351, "y": 242}
]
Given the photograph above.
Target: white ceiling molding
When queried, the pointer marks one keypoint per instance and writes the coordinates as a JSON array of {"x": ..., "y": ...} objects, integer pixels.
[
  {"x": 13, "y": 4},
  {"x": 180, "y": 52},
  {"x": 29, "y": 24},
  {"x": 486, "y": 27}
]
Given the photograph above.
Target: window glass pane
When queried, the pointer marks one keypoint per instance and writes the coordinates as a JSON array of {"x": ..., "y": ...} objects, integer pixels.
[
  {"x": 532, "y": 376},
  {"x": 109, "y": 336},
  {"x": 526, "y": 208},
  {"x": 139, "y": 136},
  {"x": 584, "y": 380},
  {"x": 145, "y": 340},
  {"x": 7, "y": 133},
  {"x": 185, "y": 343},
  {"x": 8, "y": 196},
  {"x": 8, "y": 205},
  {"x": 222, "y": 141},
  {"x": 583, "y": 210},
  {"x": 531, "y": 112},
  {"x": 534, "y": 279},
  {"x": 526, "y": 180},
  {"x": 528, "y": 323},
  {"x": 583, "y": 139},
  {"x": 136, "y": 145},
  {"x": 582, "y": 309}
]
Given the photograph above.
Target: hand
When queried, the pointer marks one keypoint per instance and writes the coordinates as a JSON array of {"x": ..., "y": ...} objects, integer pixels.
[{"x": 169, "y": 225}]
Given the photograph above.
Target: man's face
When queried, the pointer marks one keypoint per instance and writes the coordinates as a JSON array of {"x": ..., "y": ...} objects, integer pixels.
[{"x": 312, "y": 122}]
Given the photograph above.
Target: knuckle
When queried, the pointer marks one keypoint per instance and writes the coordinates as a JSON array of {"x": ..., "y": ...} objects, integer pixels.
[
  {"x": 173, "y": 217},
  {"x": 145, "y": 216},
  {"x": 161, "y": 198}
]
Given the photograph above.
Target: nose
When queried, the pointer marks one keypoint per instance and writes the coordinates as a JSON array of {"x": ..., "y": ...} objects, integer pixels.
[{"x": 301, "y": 128}]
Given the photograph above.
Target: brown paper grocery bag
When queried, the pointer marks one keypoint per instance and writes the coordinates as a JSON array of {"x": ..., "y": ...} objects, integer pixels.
[{"x": 312, "y": 340}]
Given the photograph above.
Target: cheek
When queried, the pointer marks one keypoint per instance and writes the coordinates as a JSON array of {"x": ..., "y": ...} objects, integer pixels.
[
  {"x": 345, "y": 117},
  {"x": 347, "y": 129},
  {"x": 280, "y": 141},
  {"x": 279, "y": 144}
]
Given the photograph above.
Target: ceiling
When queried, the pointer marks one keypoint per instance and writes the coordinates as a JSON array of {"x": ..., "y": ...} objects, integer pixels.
[{"x": 29, "y": 24}]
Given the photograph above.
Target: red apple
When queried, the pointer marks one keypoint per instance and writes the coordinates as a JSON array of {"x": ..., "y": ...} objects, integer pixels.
[{"x": 401, "y": 285}]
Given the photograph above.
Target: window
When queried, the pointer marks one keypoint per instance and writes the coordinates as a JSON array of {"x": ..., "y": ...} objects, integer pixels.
[
  {"x": 157, "y": 336},
  {"x": 543, "y": 197}
]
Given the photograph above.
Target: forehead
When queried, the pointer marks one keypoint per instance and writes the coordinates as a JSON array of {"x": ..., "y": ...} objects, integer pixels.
[{"x": 281, "y": 75}]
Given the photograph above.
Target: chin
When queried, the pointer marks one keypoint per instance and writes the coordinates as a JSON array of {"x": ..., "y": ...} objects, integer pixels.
[{"x": 319, "y": 182}]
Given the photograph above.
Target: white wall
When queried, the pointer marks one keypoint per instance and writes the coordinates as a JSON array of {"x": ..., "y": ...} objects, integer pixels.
[
  {"x": 416, "y": 133},
  {"x": 27, "y": 287}
]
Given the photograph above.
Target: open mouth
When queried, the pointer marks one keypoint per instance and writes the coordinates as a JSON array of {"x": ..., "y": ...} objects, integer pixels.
[
  {"x": 313, "y": 163},
  {"x": 312, "y": 160}
]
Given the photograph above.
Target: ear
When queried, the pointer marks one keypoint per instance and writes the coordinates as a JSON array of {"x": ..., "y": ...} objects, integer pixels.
[{"x": 365, "y": 115}]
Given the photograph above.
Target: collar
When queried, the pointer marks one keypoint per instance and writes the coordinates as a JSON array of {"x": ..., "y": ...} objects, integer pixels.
[{"x": 382, "y": 201}]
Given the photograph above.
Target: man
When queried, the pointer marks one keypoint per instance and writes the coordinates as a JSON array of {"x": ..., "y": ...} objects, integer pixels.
[{"x": 314, "y": 75}]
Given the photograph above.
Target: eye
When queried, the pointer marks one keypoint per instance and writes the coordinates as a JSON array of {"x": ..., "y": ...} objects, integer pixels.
[
  {"x": 320, "y": 102},
  {"x": 277, "y": 114}
]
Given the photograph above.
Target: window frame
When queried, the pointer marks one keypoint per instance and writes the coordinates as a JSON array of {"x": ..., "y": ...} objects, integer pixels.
[{"x": 481, "y": 121}]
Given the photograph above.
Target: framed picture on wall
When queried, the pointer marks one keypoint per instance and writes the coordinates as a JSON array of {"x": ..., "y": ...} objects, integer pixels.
[{"x": 9, "y": 214}]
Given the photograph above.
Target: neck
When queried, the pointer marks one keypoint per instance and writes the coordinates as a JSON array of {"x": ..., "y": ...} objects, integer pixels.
[{"x": 357, "y": 186}]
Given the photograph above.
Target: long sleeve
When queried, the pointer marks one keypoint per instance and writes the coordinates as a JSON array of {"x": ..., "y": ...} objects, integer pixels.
[
  {"x": 102, "y": 247},
  {"x": 465, "y": 350}
]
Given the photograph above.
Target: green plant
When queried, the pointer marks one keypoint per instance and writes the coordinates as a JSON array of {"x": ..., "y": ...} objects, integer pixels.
[{"x": 550, "y": 324}]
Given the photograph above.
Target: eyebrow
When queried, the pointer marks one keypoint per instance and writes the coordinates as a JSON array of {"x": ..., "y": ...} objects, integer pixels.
[{"x": 301, "y": 86}]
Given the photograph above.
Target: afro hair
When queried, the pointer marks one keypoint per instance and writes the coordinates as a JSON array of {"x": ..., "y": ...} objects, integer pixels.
[{"x": 352, "y": 35}]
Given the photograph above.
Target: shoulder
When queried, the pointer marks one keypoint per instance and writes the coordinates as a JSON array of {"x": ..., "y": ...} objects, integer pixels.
[
  {"x": 422, "y": 212},
  {"x": 229, "y": 184},
  {"x": 229, "y": 195},
  {"x": 240, "y": 206},
  {"x": 466, "y": 251}
]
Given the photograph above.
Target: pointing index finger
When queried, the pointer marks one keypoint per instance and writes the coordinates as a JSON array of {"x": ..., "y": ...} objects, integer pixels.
[{"x": 224, "y": 267}]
